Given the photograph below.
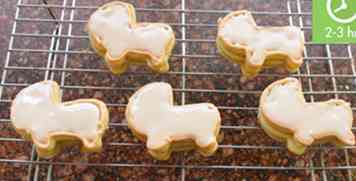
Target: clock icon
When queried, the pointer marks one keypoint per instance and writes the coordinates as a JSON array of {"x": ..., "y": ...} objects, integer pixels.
[{"x": 341, "y": 5}]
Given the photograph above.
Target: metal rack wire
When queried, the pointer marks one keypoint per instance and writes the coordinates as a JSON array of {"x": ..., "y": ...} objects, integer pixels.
[{"x": 60, "y": 34}]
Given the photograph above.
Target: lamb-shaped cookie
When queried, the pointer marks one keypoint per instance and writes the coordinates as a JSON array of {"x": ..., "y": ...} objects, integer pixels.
[
  {"x": 120, "y": 40},
  {"x": 241, "y": 41},
  {"x": 286, "y": 116},
  {"x": 38, "y": 114},
  {"x": 153, "y": 118}
]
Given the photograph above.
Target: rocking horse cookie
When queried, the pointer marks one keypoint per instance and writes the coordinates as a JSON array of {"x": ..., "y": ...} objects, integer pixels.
[
  {"x": 153, "y": 118},
  {"x": 254, "y": 47},
  {"x": 120, "y": 40},
  {"x": 286, "y": 116},
  {"x": 38, "y": 114}
]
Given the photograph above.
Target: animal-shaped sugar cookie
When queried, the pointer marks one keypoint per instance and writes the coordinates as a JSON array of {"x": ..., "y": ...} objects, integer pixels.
[
  {"x": 152, "y": 117},
  {"x": 285, "y": 116},
  {"x": 115, "y": 35},
  {"x": 38, "y": 114},
  {"x": 240, "y": 40}
]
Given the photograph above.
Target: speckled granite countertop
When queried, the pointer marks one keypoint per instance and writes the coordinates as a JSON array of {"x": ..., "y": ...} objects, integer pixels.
[
  {"x": 121, "y": 149},
  {"x": 7, "y": 13}
]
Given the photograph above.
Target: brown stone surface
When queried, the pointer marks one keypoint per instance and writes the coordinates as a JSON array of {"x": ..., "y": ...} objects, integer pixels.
[
  {"x": 220, "y": 84},
  {"x": 7, "y": 11}
]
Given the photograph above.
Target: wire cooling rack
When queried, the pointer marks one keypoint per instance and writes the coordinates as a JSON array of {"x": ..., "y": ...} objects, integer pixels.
[{"x": 48, "y": 41}]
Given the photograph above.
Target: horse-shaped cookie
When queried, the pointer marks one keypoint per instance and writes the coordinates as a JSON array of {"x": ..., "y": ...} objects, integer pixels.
[
  {"x": 240, "y": 40},
  {"x": 38, "y": 114},
  {"x": 285, "y": 115},
  {"x": 152, "y": 117},
  {"x": 115, "y": 35}
]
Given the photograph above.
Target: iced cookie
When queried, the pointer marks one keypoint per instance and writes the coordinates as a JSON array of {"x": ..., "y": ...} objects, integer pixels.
[
  {"x": 153, "y": 118},
  {"x": 120, "y": 40},
  {"x": 38, "y": 114},
  {"x": 254, "y": 47},
  {"x": 286, "y": 116}
]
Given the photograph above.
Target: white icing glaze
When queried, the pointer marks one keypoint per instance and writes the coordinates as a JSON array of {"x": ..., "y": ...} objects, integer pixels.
[
  {"x": 34, "y": 110},
  {"x": 151, "y": 112},
  {"x": 241, "y": 30},
  {"x": 115, "y": 28},
  {"x": 286, "y": 107}
]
